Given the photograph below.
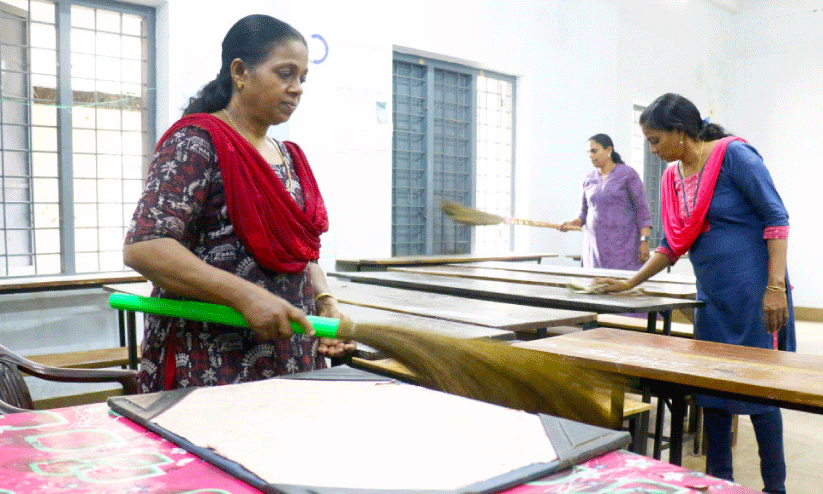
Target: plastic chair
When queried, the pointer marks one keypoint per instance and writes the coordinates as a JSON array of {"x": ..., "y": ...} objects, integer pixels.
[{"x": 14, "y": 393}]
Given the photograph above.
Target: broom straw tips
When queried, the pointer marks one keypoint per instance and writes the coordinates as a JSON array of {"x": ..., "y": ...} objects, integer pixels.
[
  {"x": 493, "y": 372},
  {"x": 468, "y": 215}
]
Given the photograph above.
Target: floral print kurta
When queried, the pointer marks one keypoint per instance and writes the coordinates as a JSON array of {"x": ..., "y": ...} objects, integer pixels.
[{"x": 184, "y": 200}]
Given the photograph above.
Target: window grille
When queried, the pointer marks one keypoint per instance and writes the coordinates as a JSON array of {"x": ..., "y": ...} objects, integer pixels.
[
  {"x": 77, "y": 119},
  {"x": 453, "y": 140}
]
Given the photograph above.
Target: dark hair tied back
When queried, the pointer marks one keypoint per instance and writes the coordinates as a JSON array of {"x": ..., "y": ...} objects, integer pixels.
[
  {"x": 674, "y": 112},
  {"x": 606, "y": 141},
  {"x": 251, "y": 39}
]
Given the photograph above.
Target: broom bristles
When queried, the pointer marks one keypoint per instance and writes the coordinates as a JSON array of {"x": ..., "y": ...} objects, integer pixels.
[
  {"x": 494, "y": 372},
  {"x": 469, "y": 216}
]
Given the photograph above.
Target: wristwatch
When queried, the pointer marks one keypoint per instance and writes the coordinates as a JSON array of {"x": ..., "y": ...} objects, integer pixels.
[{"x": 644, "y": 238}]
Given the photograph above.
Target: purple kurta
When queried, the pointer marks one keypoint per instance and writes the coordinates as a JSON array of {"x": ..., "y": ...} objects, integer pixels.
[{"x": 613, "y": 212}]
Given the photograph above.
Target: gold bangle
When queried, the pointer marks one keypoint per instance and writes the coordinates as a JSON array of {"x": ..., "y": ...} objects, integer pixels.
[
  {"x": 773, "y": 288},
  {"x": 321, "y": 295}
]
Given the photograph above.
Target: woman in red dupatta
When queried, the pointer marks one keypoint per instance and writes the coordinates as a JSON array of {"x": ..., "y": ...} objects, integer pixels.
[
  {"x": 230, "y": 216},
  {"x": 720, "y": 205}
]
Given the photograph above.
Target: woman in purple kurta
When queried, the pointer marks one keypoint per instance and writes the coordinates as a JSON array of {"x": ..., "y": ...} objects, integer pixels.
[{"x": 614, "y": 214}]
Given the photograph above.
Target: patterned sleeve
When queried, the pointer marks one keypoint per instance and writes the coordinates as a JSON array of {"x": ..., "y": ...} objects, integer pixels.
[
  {"x": 667, "y": 251},
  {"x": 752, "y": 178},
  {"x": 176, "y": 187},
  {"x": 637, "y": 194}
]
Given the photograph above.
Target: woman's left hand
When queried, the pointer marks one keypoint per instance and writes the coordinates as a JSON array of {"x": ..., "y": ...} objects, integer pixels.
[
  {"x": 333, "y": 347},
  {"x": 643, "y": 252},
  {"x": 775, "y": 310}
]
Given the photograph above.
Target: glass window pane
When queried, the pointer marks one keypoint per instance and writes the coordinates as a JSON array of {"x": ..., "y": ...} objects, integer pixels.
[
  {"x": 132, "y": 120},
  {"x": 111, "y": 238},
  {"x": 85, "y": 216},
  {"x": 42, "y": 11},
  {"x": 84, "y": 141},
  {"x": 108, "y": 69},
  {"x": 83, "y": 117},
  {"x": 82, "y": 68},
  {"x": 132, "y": 24},
  {"x": 86, "y": 262},
  {"x": 43, "y": 139},
  {"x": 47, "y": 240},
  {"x": 82, "y": 17},
  {"x": 133, "y": 167},
  {"x": 46, "y": 216},
  {"x": 44, "y": 115},
  {"x": 108, "y": 191},
  {"x": 132, "y": 70},
  {"x": 44, "y": 164},
  {"x": 108, "y": 44},
  {"x": 83, "y": 42},
  {"x": 43, "y": 61},
  {"x": 108, "y": 21},
  {"x": 85, "y": 189},
  {"x": 85, "y": 166},
  {"x": 132, "y": 142},
  {"x": 45, "y": 189},
  {"x": 112, "y": 261},
  {"x": 108, "y": 142},
  {"x": 43, "y": 36},
  {"x": 110, "y": 216},
  {"x": 132, "y": 48},
  {"x": 108, "y": 118}
]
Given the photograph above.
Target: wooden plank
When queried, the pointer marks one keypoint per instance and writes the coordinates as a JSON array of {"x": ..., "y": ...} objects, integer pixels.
[
  {"x": 511, "y": 317},
  {"x": 548, "y": 268},
  {"x": 65, "y": 282},
  {"x": 786, "y": 379},
  {"x": 660, "y": 289},
  {"x": 85, "y": 359},
  {"x": 381, "y": 263},
  {"x": 518, "y": 293}
]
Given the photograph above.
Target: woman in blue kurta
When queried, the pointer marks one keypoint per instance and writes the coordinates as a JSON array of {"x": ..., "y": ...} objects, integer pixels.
[{"x": 719, "y": 203}]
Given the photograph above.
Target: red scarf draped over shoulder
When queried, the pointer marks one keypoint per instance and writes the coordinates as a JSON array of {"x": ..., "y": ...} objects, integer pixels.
[
  {"x": 271, "y": 225},
  {"x": 680, "y": 233}
]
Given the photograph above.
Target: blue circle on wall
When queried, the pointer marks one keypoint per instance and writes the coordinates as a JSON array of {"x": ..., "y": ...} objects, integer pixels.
[{"x": 325, "y": 47}]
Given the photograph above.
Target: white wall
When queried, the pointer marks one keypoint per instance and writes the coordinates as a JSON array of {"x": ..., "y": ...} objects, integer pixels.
[{"x": 755, "y": 66}]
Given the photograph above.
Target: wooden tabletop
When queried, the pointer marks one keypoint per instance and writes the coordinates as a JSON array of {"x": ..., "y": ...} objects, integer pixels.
[
  {"x": 510, "y": 317},
  {"x": 786, "y": 379},
  {"x": 548, "y": 268},
  {"x": 381, "y": 263},
  {"x": 64, "y": 282},
  {"x": 519, "y": 293},
  {"x": 655, "y": 288}
]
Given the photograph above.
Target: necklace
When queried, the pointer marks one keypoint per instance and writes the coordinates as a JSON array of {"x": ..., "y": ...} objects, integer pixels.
[
  {"x": 271, "y": 141},
  {"x": 699, "y": 179}
]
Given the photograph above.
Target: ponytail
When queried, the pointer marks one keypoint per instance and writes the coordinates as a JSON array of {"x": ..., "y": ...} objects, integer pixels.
[{"x": 213, "y": 97}]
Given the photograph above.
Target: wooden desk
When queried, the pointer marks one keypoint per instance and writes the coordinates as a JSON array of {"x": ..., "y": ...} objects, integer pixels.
[
  {"x": 584, "y": 272},
  {"x": 97, "y": 452},
  {"x": 675, "y": 367},
  {"x": 518, "y": 293},
  {"x": 504, "y": 316},
  {"x": 534, "y": 277},
  {"x": 380, "y": 264},
  {"x": 66, "y": 282}
]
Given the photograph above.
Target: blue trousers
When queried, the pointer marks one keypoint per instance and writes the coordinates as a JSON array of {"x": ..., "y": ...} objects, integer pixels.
[{"x": 768, "y": 429}]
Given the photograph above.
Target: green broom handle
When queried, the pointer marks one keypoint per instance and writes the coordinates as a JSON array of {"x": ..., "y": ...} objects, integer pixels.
[{"x": 324, "y": 327}]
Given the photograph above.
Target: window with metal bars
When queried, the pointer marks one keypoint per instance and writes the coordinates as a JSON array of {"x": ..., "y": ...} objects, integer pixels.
[
  {"x": 453, "y": 140},
  {"x": 76, "y": 125}
]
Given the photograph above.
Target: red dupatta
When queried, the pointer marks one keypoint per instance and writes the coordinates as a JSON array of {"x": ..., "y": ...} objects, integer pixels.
[
  {"x": 271, "y": 225},
  {"x": 681, "y": 234}
]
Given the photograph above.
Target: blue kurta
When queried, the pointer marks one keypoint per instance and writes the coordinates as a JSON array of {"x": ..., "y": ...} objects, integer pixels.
[{"x": 731, "y": 262}]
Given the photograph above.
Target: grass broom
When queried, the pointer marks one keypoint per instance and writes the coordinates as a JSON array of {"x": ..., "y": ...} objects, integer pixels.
[
  {"x": 471, "y": 216},
  {"x": 489, "y": 371}
]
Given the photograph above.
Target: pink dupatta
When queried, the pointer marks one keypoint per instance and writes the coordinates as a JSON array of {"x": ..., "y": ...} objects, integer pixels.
[{"x": 681, "y": 234}]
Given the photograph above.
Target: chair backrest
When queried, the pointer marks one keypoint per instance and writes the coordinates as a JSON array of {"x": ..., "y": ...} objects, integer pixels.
[{"x": 13, "y": 389}]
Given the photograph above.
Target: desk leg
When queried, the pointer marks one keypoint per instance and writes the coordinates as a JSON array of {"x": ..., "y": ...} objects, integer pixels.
[
  {"x": 121, "y": 325},
  {"x": 651, "y": 322},
  {"x": 676, "y": 434},
  {"x": 667, "y": 322},
  {"x": 658, "y": 427},
  {"x": 131, "y": 326}
]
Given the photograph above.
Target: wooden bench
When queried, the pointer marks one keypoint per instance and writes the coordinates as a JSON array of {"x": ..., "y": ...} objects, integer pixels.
[
  {"x": 382, "y": 263},
  {"x": 681, "y": 329},
  {"x": 85, "y": 359},
  {"x": 635, "y": 413}
]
